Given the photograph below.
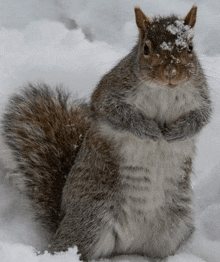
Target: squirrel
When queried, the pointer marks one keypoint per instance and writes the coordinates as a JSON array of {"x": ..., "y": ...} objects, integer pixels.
[{"x": 112, "y": 176}]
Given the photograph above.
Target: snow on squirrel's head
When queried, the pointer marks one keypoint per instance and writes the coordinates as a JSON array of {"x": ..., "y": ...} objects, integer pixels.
[{"x": 165, "y": 47}]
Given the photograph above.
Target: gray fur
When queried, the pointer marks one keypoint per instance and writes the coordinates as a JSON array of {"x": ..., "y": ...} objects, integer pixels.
[{"x": 127, "y": 188}]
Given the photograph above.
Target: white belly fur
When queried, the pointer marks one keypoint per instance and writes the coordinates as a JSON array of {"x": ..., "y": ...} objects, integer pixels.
[{"x": 160, "y": 161}]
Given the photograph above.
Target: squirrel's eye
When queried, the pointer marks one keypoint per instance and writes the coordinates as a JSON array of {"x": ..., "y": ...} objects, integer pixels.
[
  {"x": 190, "y": 48},
  {"x": 146, "y": 50}
]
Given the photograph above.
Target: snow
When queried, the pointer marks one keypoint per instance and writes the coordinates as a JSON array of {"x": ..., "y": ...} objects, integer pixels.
[
  {"x": 19, "y": 252},
  {"x": 183, "y": 32},
  {"x": 36, "y": 44},
  {"x": 178, "y": 28},
  {"x": 166, "y": 46}
]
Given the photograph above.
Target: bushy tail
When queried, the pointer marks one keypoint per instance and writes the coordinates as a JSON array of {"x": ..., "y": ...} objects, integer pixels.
[{"x": 44, "y": 131}]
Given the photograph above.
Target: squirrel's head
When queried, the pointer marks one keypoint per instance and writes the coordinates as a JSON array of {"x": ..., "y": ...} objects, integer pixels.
[{"x": 166, "y": 52}]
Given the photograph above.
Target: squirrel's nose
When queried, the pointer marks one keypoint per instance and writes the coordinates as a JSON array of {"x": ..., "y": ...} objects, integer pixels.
[{"x": 170, "y": 72}]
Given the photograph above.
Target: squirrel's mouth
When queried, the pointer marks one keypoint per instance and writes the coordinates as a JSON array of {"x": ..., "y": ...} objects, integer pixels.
[{"x": 172, "y": 83}]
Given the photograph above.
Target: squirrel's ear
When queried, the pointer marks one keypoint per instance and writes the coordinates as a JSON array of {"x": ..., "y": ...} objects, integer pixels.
[
  {"x": 142, "y": 20},
  {"x": 190, "y": 19}
]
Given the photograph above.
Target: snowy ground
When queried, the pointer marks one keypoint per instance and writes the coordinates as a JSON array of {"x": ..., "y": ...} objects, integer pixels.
[{"x": 40, "y": 41}]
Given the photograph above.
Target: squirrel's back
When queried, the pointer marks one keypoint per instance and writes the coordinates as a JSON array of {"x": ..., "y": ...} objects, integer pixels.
[{"x": 44, "y": 133}]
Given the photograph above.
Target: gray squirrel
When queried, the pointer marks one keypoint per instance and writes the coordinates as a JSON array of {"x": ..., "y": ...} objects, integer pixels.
[{"x": 112, "y": 176}]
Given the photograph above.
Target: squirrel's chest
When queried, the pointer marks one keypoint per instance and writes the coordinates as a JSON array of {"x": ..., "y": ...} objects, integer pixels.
[{"x": 164, "y": 104}]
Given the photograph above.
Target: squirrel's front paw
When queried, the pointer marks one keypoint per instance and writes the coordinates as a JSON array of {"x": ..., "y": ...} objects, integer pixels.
[
  {"x": 174, "y": 133},
  {"x": 148, "y": 129}
]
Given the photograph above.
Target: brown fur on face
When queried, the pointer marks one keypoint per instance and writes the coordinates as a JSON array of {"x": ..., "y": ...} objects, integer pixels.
[
  {"x": 190, "y": 19},
  {"x": 168, "y": 62},
  {"x": 142, "y": 21}
]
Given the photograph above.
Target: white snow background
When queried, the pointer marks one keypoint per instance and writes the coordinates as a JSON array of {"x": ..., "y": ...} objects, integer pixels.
[{"x": 74, "y": 43}]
